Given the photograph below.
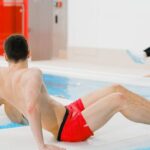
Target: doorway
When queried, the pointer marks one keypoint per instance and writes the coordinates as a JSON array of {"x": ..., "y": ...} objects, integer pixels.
[{"x": 47, "y": 29}]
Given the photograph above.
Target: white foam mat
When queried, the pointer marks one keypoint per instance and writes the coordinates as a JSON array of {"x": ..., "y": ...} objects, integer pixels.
[{"x": 117, "y": 134}]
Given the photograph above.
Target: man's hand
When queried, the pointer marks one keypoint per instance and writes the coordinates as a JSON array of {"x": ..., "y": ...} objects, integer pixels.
[{"x": 51, "y": 147}]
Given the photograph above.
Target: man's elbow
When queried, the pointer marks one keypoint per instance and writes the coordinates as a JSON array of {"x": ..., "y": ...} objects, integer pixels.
[{"x": 31, "y": 108}]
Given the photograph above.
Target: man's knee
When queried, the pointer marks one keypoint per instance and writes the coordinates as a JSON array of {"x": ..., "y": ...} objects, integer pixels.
[
  {"x": 116, "y": 87},
  {"x": 119, "y": 98}
]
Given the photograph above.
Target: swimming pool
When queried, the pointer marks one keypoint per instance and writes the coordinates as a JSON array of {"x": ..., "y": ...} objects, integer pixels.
[{"x": 73, "y": 88}]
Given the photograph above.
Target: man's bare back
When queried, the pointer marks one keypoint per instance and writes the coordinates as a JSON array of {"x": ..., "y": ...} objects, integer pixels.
[{"x": 14, "y": 84}]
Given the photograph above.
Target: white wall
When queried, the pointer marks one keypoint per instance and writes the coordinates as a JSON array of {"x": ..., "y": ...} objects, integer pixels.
[{"x": 109, "y": 23}]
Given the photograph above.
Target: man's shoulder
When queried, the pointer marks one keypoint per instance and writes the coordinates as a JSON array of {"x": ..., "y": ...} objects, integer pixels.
[
  {"x": 3, "y": 70},
  {"x": 33, "y": 78},
  {"x": 34, "y": 71},
  {"x": 32, "y": 74}
]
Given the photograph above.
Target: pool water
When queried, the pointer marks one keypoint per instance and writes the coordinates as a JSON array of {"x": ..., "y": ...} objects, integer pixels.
[
  {"x": 147, "y": 148},
  {"x": 73, "y": 88},
  {"x": 10, "y": 125}
]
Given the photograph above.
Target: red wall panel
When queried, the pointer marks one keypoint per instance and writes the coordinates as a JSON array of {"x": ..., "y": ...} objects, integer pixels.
[{"x": 13, "y": 19}]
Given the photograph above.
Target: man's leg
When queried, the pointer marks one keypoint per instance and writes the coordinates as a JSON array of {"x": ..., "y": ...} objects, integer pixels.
[
  {"x": 95, "y": 96},
  {"x": 100, "y": 112},
  {"x": 99, "y": 94}
]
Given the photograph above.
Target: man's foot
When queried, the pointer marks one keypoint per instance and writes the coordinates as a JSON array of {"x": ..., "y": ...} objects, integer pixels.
[{"x": 137, "y": 56}]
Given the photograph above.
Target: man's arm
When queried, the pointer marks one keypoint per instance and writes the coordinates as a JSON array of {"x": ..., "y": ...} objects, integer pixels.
[
  {"x": 14, "y": 115},
  {"x": 33, "y": 92}
]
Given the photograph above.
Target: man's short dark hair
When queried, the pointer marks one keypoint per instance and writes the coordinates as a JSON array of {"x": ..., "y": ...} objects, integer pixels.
[{"x": 16, "y": 48}]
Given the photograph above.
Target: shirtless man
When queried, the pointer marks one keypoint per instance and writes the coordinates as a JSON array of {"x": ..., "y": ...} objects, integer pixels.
[{"x": 23, "y": 89}]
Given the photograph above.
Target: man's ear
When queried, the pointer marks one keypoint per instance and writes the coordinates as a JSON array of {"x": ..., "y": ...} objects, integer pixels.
[{"x": 6, "y": 58}]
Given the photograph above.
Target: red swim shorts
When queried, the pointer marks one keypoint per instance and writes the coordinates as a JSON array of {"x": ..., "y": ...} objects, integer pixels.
[{"x": 74, "y": 127}]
